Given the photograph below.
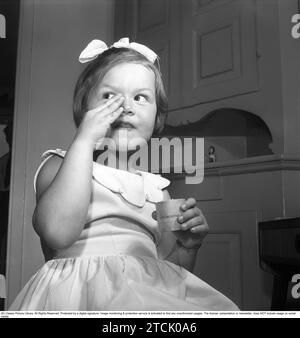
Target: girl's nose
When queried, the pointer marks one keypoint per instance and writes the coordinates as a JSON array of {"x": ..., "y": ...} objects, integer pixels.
[{"x": 127, "y": 106}]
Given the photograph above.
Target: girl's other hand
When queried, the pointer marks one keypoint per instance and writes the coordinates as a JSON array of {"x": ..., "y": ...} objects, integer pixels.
[
  {"x": 193, "y": 225},
  {"x": 96, "y": 122}
]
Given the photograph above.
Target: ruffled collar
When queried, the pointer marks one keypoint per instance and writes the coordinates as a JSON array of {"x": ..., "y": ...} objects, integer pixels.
[{"x": 136, "y": 188}]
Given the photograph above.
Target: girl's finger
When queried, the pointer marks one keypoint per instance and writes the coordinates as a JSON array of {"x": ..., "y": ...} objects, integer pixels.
[
  {"x": 112, "y": 107},
  {"x": 115, "y": 114},
  {"x": 196, "y": 221},
  {"x": 104, "y": 107},
  {"x": 203, "y": 229},
  {"x": 190, "y": 202},
  {"x": 190, "y": 213}
]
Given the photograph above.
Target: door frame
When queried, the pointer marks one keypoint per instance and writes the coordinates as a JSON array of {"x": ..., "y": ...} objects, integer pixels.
[{"x": 17, "y": 202}]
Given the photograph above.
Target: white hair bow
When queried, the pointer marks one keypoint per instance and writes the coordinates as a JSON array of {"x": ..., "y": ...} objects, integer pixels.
[{"x": 97, "y": 47}]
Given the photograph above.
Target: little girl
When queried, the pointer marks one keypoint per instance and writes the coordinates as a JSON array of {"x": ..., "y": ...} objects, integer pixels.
[{"x": 102, "y": 244}]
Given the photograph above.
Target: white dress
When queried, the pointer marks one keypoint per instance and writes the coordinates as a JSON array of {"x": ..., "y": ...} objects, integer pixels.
[{"x": 114, "y": 266}]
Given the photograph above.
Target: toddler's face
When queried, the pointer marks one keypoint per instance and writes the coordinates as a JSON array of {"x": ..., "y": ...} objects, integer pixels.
[{"x": 137, "y": 85}]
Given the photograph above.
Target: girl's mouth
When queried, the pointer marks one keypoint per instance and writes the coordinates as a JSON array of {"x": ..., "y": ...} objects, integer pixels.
[{"x": 122, "y": 125}]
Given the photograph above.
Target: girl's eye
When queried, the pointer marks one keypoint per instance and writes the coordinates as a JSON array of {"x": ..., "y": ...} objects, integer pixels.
[
  {"x": 108, "y": 96},
  {"x": 140, "y": 98}
]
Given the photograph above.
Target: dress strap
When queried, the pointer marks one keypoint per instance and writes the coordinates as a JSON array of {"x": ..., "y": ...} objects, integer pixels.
[{"x": 46, "y": 156}]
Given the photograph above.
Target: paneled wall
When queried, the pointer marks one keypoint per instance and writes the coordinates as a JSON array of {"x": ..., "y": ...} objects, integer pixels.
[
  {"x": 223, "y": 54},
  {"x": 219, "y": 44}
]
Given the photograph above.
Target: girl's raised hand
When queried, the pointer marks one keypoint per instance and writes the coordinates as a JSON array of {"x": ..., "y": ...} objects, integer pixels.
[
  {"x": 96, "y": 122},
  {"x": 193, "y": 225}
]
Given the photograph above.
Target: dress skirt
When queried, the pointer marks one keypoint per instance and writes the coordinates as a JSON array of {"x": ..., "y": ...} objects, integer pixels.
[{"x": 122, "y": 274}]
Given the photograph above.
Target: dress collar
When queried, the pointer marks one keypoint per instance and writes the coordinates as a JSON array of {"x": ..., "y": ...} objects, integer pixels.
[{"x": 136, "y": 188}]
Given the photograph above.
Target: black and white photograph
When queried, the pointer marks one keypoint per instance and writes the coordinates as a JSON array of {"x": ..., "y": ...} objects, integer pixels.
[{"x": 150, "y": 157}]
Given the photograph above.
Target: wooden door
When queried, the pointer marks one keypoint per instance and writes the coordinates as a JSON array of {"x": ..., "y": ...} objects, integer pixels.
[{"x": 218, "y": 49}]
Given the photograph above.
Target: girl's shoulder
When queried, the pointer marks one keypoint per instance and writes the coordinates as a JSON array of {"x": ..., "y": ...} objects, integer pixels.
[{"x": 47, "y": 170}]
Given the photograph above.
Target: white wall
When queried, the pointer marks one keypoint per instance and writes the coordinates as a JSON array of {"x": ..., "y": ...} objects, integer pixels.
[{"x": 52, "y": 35}]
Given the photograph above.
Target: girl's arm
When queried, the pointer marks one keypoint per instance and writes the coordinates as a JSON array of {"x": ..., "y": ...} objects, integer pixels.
[
  {"x": 63, "y": 195},
  {"x": 181, "y": 247},
  {"x": 64, "y": 187}
]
